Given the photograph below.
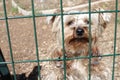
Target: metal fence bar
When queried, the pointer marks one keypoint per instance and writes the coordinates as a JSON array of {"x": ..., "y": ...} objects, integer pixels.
[
  {"x": 63, "y": 46},
  {"x": 44, "y": 15},
  {"x": 115, "y": 36},
  {"x": 47, "y": 60},
  {"x": 9, "y": 39},
  {"x": 89, "y": 65},
  {"x": 35, "y": 37}
]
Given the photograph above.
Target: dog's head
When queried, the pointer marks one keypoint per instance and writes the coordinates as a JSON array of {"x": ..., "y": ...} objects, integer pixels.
[{"x": 76, "y": 28}]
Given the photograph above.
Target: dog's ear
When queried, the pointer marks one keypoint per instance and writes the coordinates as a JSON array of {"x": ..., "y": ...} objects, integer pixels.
[
  {"x": 103, "y": 18},
  {"x": 106, "y": 16},
  {"x": 51, "y": 19},
  {"x": 54, "y": 21}
]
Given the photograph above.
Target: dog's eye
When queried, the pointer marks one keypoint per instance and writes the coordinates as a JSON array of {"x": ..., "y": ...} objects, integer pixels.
[
  {"x": 87, "y": 21},
  {"x": 70, "y": 23}
]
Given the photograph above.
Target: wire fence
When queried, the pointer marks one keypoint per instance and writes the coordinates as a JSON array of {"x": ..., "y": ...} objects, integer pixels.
[{"x": 38, "y": 60}]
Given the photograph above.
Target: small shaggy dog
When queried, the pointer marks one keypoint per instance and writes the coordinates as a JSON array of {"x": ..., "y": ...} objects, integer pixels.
[{"x": 76, "y": 42}]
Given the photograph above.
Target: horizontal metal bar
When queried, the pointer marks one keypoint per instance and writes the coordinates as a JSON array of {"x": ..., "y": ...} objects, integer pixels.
[
  {"x": 57, "y": 59},
  {"x": 44, "y": 15}
]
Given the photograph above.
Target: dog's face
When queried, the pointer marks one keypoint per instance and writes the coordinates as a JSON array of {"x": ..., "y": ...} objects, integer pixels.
[{"x": 76, "y": 29}]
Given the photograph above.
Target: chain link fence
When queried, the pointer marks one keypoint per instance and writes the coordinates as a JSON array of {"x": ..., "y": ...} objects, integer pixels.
[{"x": 38, "y": 60}]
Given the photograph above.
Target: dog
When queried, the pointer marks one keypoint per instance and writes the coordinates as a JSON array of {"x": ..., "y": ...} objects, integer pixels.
[{"x": 76, "y": 43}]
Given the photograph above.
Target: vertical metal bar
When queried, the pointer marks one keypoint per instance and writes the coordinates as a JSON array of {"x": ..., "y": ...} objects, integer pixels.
[
  {"x": 62, "y": 22},
  {"x": 89, "y": 66},
  {"x": 115, "y": 36},
  {"x": 35, "y": 37},
  {"x": 9, "y": 39}
]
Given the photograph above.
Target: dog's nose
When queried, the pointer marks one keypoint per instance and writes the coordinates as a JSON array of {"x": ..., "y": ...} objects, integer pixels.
[{"x": 79, "y": 31}]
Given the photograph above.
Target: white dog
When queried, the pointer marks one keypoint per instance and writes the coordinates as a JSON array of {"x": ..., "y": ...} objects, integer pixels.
[{"x": 76, "y": 41}]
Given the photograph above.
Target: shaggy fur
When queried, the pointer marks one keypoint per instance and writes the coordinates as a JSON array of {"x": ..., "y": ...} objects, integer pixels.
[{"x": 76, "y": 41}]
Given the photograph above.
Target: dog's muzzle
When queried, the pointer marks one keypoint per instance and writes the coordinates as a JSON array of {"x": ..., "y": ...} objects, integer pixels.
[{"x": 79, "y": 31}]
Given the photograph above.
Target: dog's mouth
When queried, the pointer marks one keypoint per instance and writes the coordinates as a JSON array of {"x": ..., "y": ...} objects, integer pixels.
[{"x": 77, "y": 40}]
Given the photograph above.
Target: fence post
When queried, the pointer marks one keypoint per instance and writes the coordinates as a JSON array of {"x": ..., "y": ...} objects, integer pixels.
[{"x": 4, "y": 71}]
